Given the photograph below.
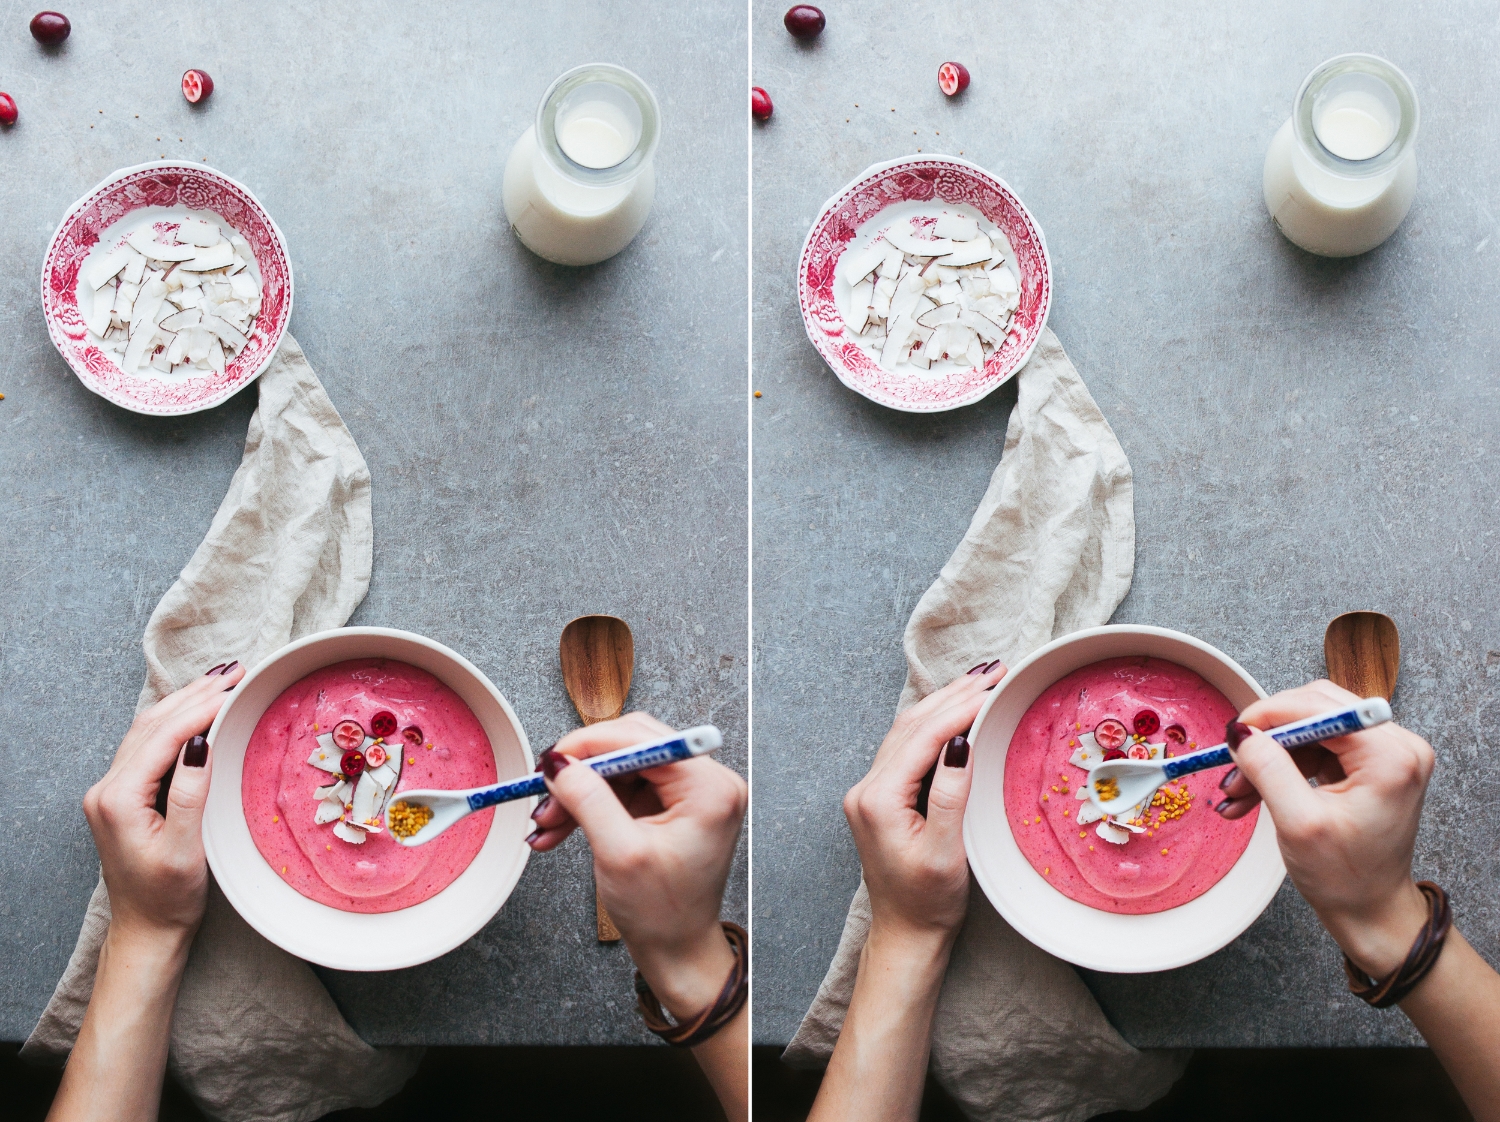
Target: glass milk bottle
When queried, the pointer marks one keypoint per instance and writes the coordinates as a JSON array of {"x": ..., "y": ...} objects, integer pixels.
[
  {"x": 579, "y": 182},
  {"x": 1341, "y": 173}
]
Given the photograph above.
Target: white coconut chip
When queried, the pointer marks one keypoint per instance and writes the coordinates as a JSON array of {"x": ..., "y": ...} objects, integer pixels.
[
  {"x": 329, "y": 810},
  {"x": 327, "y": 757},
  {"x": 926, "y": 291},
  {"x": 345, "y": 832},
  {"x": 157, "y": 280},
  {"x": 1106, "y": 830}
]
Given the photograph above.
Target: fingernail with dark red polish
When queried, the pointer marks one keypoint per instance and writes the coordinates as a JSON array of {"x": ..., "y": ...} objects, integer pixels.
[
  {"x": 1223, "y": 806},
  {"x": 1234, "y": 773},
  {"x": 990, "y": 668},
  {"x": 979, "y": 669},
  {"x": 542, "y": 757},
  {"x": 541, "y": 806},
  {"x": 230, "y": 667},
  {"x": 213, "y": 670},
  {"x": 956, "y": 754},
  {"x": 195, "y": 752},
  {"x": 553, "y": 762},
  {"x": 531, "y": 837},
  {"x": 1235, "y": 732}
]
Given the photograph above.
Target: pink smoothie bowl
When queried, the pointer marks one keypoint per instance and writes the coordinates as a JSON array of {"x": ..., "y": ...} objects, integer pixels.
[
  {"x": 330, "y": 936},
  {"x": 1075, "y": 932}
]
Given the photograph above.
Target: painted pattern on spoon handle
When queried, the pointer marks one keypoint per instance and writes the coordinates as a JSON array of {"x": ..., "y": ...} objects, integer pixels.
[
  {"x": 682, "y": 746},
  {"x": 1366, "y": 714}
]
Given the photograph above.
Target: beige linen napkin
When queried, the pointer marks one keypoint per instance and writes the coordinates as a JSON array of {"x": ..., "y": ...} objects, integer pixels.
[
  {"x": 255, "y": 1035},
  {"x": 1051, "y": 549}
]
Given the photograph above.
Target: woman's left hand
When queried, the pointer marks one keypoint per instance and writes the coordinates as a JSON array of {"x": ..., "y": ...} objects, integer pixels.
[{"x": 153, "y": 864}]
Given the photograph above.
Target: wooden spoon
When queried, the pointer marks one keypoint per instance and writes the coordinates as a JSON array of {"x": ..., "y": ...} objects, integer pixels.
[
  {"x": 598, "y": 657},
  {"x": 1363, "y": 653}
]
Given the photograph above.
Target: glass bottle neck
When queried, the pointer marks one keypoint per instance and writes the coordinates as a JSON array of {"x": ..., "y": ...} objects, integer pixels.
[{"x": 597, "y": 126}]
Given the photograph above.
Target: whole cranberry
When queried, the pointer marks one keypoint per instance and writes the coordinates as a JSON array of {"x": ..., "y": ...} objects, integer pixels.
[
  {"x": 8, "y": 112},
  {"x": 50, "y": 28},
  {"x": 804, "y": 21},
  {"x": 760, "y": 104}
]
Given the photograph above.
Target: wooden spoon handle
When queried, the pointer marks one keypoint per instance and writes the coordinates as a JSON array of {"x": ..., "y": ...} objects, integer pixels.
[{"x": 608, "y": 932}]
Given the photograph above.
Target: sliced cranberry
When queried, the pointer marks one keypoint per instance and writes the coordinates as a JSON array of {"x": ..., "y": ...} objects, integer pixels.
[
  {"x": 760, "y": 104},
  {"x": 1139, "y": 752},
  {"x": 1176, "y": 734},
  {"x": 1146, "y": 723},
  {"x": 1110, "y": 733},
  {"x": 376, "y": 756},
  {"x": 412, "y": 735},
  {"x": 1114, "y": 754},
  {"x": 804, "y": 21},
  {"x": 953, "y": 78},
  {"x": 352, "y": 762},
  {"x": 383, "y": 724},
  {"x": 348, "y": 735},
  {"x": 8, "y": 112},
  {"x": 196, "y": 86},
  {"x": 50, "y": 28}
]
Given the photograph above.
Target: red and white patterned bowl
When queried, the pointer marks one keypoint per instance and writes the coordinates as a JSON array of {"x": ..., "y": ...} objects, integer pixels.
[
  {"x": 938, "y": 179},
  {"x": 164, "y": 183}
]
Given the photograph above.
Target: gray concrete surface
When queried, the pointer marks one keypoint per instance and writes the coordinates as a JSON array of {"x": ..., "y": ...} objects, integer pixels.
[
  {"x": 544, "y": 442},
  {"x": 1308, "y": 436}
]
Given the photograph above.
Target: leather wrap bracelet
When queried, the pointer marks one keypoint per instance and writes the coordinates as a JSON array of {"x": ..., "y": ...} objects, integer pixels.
[
  {"x": 1419, "y": 960},
  {"x": 731, "y": 998}
]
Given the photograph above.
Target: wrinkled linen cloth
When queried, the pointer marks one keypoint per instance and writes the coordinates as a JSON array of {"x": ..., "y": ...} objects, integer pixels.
[
  {"x": 1051, "y": 549},
  {"x": 255, "y": 1035}
]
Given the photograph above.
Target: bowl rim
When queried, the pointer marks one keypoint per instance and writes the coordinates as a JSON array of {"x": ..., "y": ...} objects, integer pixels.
[
  {"x": 1216, "y": 920},
  {"x": 219, "y": 396},
  {"x": 883, "y": 167},
  {"x": 389, "y": 958}
]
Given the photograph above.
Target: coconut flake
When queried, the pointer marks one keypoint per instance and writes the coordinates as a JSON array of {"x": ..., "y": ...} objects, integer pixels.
[
  {"x": 327, "y": 757},
  {"x": 140, "y": 318},
  {"x": 1106, "y": 830},
  {"x": 345, "y": 832},
  {"x": 956, "y": 228},
  {"x": 329, "y": 810}
]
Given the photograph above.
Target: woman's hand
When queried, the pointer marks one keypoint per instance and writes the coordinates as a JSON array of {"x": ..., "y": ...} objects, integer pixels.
[
  {"x": 153, "y": 863},
  {"x": 915, "y": 867},
  {"x": 1347, "y": 842},
  {"x": 158, "y": 883},
  {"x": 663, "y": 840},
  {"x": 917, "y": 875}
]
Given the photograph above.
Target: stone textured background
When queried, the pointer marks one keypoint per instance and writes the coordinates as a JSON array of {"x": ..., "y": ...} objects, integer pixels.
[
  {"x": 1308, "y": 436},
  {"x": 544, "y": 442}
]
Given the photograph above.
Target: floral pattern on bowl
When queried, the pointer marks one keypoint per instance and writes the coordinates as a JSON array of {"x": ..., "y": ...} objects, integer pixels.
[{"x": 164, "y": 184}]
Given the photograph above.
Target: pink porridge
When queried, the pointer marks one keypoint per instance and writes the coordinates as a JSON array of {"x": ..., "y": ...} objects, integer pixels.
[
  {"x": 1156, "y": 857},
  {"x": 330, "y": 753}
]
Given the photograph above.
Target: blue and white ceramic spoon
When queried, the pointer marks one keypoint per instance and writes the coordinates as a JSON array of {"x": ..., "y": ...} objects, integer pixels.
[
  {"x": 1136, "y": 781},
  {"x": 449, "y": 806}
]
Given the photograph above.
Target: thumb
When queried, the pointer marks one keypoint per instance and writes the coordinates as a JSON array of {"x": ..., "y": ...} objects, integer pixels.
[
  {"x": 187, "y": 796},
  {"x": 1273, "y": 772},
  {"x": 950, "y": 793},
  {"x": 593, "y": 804}
]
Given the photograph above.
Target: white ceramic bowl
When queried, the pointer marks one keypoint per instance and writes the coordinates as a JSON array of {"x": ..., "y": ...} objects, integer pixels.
[
  {"x": 875, "y": 198},
  {"x": 351, "y": 940},
  {"x": 171, "y": 190},
  {"x": 1085, "y": 936}
]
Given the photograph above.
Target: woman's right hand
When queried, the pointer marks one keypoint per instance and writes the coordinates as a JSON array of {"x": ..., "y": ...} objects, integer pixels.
[
  {"x": 915, "y": 868},
  {"x": 663, "y": 842},
  {"x": 1347, "y": 842}
]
